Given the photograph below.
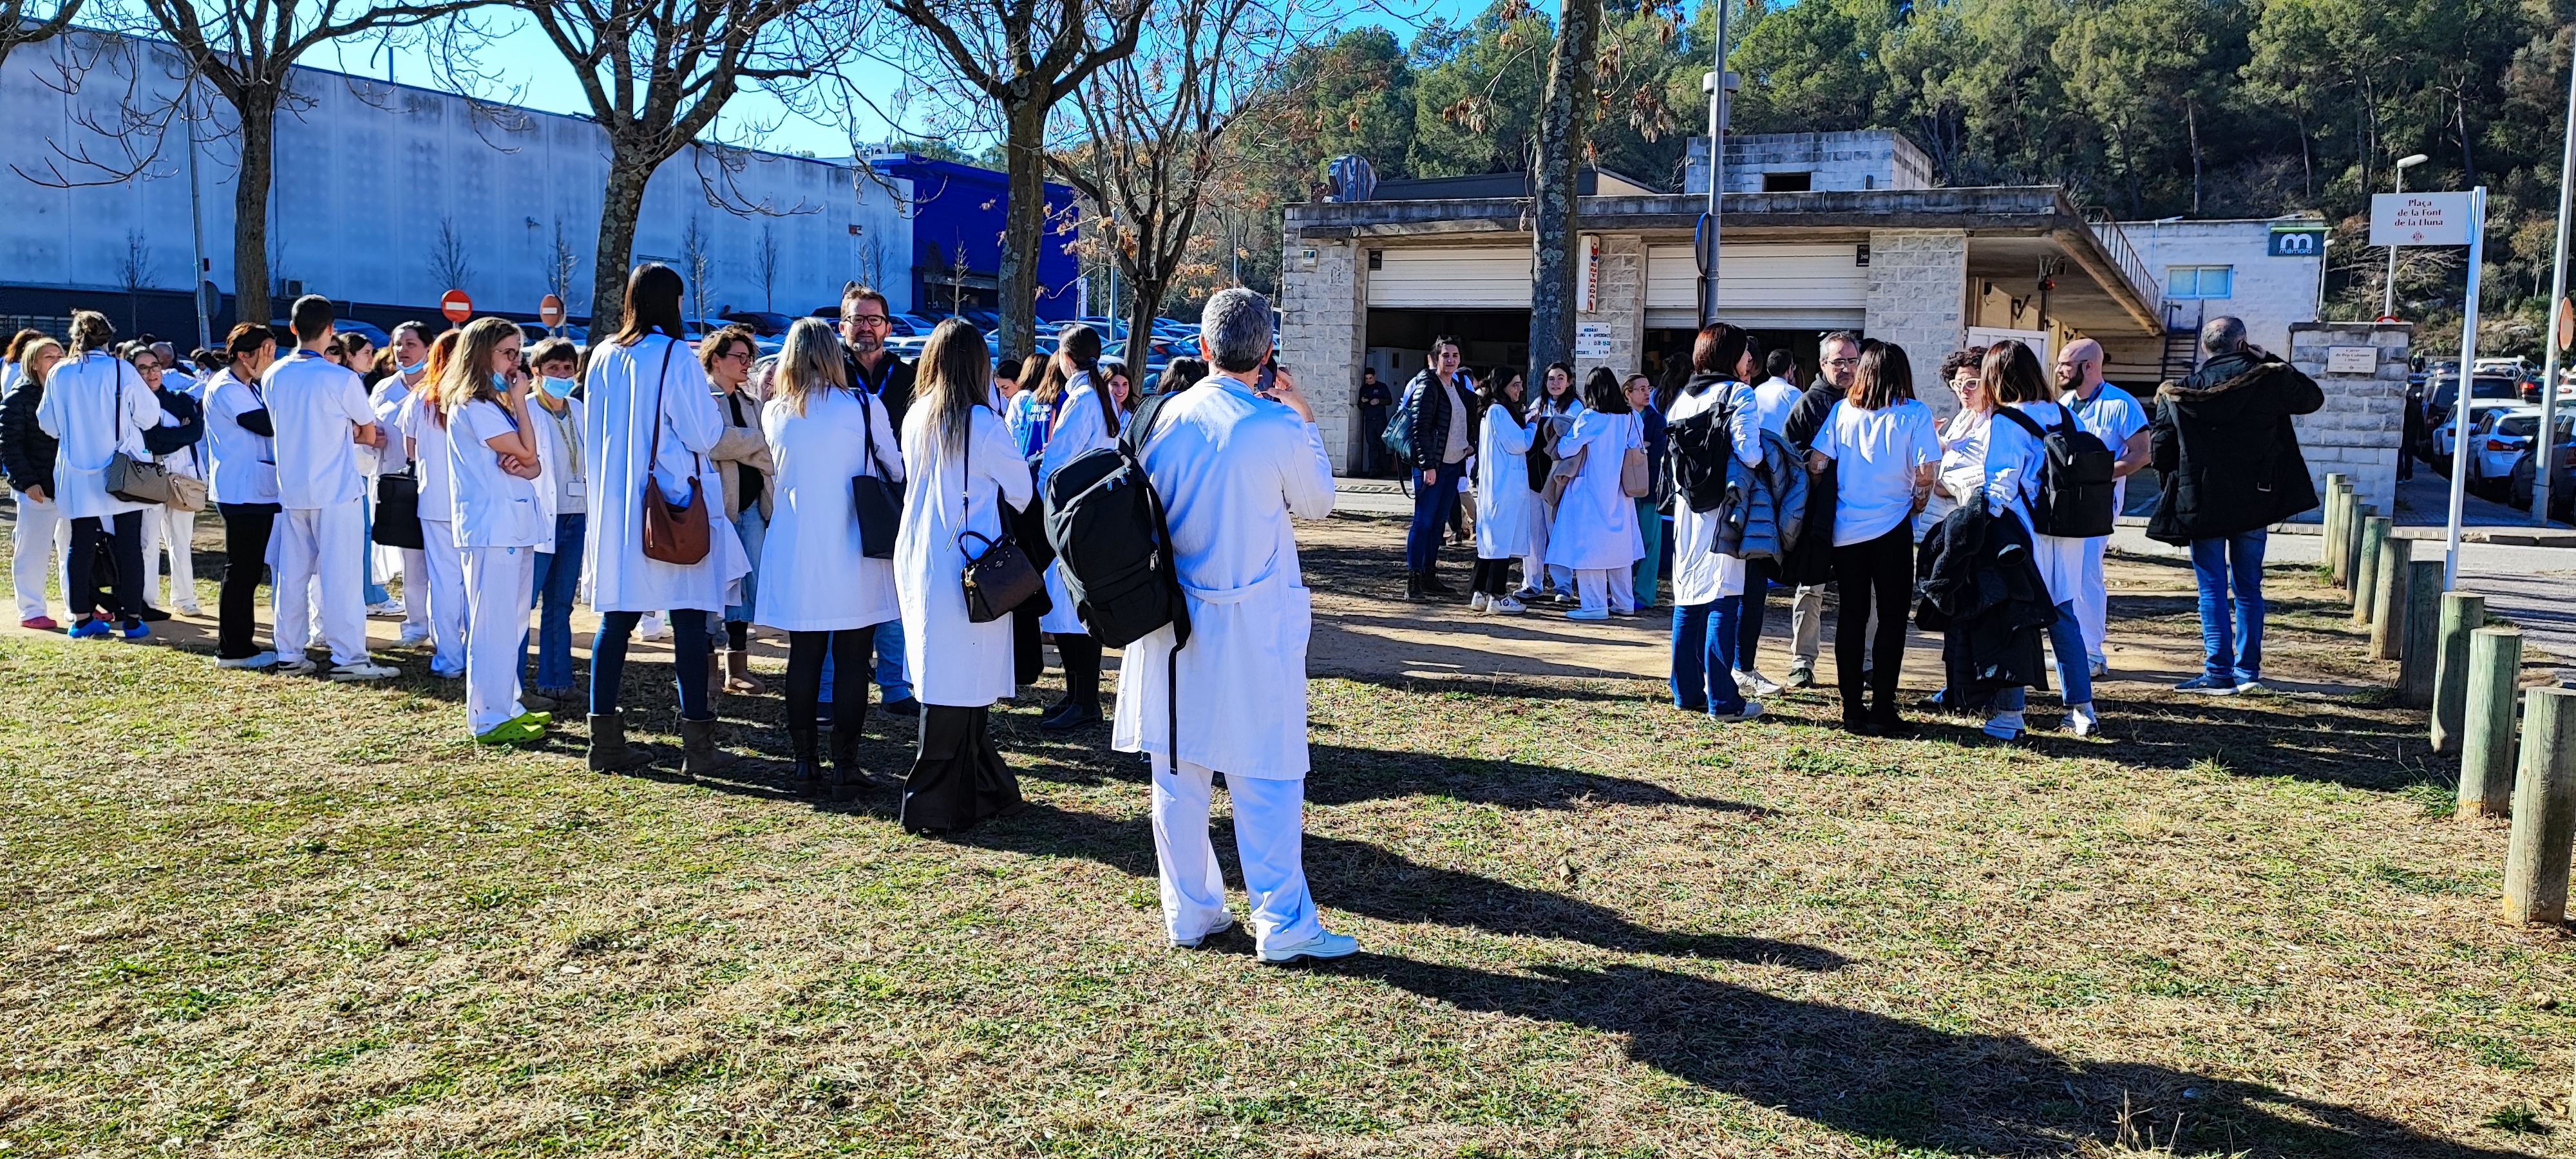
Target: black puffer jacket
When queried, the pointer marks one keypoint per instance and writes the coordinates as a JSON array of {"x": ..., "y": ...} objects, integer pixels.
[
  {"x": 2224, "y": 443},
  {"x": 26, "y": 451},
  {"x": 1811, "y": 559},
  {"x": 1431, "y": 418},
  {"x": 1980, "y": 588}
]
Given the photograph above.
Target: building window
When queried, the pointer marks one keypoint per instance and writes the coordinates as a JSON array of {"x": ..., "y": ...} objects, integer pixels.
[
  {"x": 2200, "y": 282},
  {"x": 1788, "y": 182}
]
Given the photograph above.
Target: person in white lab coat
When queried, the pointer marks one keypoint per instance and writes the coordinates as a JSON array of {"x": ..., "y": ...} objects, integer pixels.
[
  {"x": 320, "y": 413},
  {"x": 2015, "y": 455},
  {"x": 817, "y": 583},
  {"x": 167, "y": 528},
  {"x": 41, "y": 536},
  {"x": 1709, "y": 590},
  {"x": 1085, "y": 420},
  {"x": 1884, "y": 448},
  {"x": 2114, "y": 416},
  {"x": 1505, "y": 502},
  {"x": 439, "y": 586},
  {"x": 96, "y": 406},
  {"x": 965, "y": 468},
  {"x": 1595, "y": 533},
  {"x": 497, "y": 517},
  {"x": 565, "y": 464},
  {"x": 1231, "y": 467},
  {"x": 411, "y": 370},
  {"x": 1558, "y": 404},
  {"x": 647, "y": 409},
  {"x": 241, "y": 481}
]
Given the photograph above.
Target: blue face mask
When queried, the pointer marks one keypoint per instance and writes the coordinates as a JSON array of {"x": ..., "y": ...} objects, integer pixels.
[
  {"x": 558, "y": 388},
  {"x": 411, "y": 368}
]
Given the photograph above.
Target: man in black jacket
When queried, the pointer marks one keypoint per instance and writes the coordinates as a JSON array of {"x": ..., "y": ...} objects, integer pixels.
[
  {"x": 1837, "y": 361},
  {"x": 2224, "y": 443},
  {"x": 27, "y": 453},
  {"x": 865, "y": 322},
  {"x": 1442, "y": 434}
]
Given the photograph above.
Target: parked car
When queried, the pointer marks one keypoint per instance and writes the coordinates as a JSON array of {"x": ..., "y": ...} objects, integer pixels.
[
  {"x": 374, "y": 335},
  {"x": 765, "y": 323},
  {"x": 2519, "y": 486},
  {"x": 2441, "y": 391},
  {"x": 535, "y": 332}
]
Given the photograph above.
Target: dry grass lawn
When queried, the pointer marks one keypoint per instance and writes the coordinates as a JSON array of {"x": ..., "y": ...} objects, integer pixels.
[{"x": 250, "y": 915}]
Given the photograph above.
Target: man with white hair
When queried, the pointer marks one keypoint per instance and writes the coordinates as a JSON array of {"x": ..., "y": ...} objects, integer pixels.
[
  {"x": 1233, "y": 458},
  {"x": 2114, "y": 416}
]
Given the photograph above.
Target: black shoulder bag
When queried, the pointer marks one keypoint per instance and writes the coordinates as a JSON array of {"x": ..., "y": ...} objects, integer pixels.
[
  {"x": 876, "y": 500},
  {"x": 999, "y": 577}
]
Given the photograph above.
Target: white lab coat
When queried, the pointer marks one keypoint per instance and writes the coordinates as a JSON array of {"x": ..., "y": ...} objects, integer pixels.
[
  {"x": 1079, "y": 429},
  {"x": 243, "y": 465},
  {"x": 93, "y": 419},
  {"x": 2013, "y": 462},
  {"x": 314, "y": 407},
  {"x": 553, "y": 466},
  {"x": 1231, "y": 468},
  {"x": 954, "y": 661},
  {"x": 813, "y": 575},
  {"x": 491, "y": 507},
  {"x": 1504, "y": 501},
  {"x": 1596, "y": 525},
  {"x": 618, "y": 419},
  {"x": 1700, "y": 575}
]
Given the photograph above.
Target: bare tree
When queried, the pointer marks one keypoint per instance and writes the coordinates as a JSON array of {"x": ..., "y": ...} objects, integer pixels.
[
  {"x": 657, "y": 73},
  {"x": 697, "y": 263},
  {"x": 20, "y": 24},
  {"x": 1153, "y": 125},
  {"x": 247, "y": 51},
  {"x": 1024, "y": 56},
  {"x": 450, "y": 260},
  {"x": 134, "y": 272},
  {"x": 562, "y": 266},
  {"x": 764, "y": 262}
]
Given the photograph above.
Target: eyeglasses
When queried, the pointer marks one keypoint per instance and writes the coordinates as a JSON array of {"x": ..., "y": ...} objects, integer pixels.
[
  {"x": 735, "y": 355},
  {"x": 870, "y": 320},
  {"x": 1842, "y": 362}
]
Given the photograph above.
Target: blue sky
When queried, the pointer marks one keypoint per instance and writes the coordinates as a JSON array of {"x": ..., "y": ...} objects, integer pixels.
[{"x": 523, "y": 57}]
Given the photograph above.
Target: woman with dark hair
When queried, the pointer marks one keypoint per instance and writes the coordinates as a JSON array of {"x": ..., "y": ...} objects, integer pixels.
[
  {"x": 965, "y": 472},
  {"x": 242, "y": 484},
  {"x": 2025, "y": 407},
  {"x": 1084, "y": 419},
  {"x": 1713, "y": 594},
  {"x": 1883, "y": 447},
  {"x": 1595, "y": 532},
  {"x": 1122, "y": 388},
  {"x": 167, "y": 529},
  {"x": 96, "y": 406},
  {"x": 1180, "y": 374},
  {"x": 1502, "y": 486},
  {"x": 1551, "y": 414},
  {"x": 649, "y": 417},
  {"x": 743, "y": 469}
]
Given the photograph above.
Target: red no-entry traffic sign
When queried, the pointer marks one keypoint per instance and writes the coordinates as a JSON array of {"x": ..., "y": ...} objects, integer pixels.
[
  {"x": 456, "y": 306},
  {"x": 550, "y": 311}
]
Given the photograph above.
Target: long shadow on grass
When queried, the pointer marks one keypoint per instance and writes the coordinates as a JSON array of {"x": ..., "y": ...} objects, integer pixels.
[
  {"x": 1364, "y": 879},
  {"x": 1883, "y": 1078}
]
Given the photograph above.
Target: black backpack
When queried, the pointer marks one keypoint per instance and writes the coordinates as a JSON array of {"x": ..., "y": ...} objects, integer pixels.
[
  {"x": 2075, "y": 483},
  {"x": 1108, "y": 530},
  {"x": 1695, "y": 454}
]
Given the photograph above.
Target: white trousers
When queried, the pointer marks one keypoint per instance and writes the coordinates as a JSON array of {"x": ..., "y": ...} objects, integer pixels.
[
  {"x": 1270, "y": 836},
  {"x": 414, "y": 569},
  {"x": 1806, "y": 625},
  {"x": 321, "y": 544},
  {"x": 1593, "y": 584},
  {"x": 443, "y": 571},
  {"x": 167, "y": 527},
  {"x": 497, "y": 583},
  {"x": 2093, "y": 603},
  {"x": 43, "y": 525}
]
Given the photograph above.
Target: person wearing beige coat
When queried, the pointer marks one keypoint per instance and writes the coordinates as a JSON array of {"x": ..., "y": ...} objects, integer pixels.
[{"x": 746, "y": 475}]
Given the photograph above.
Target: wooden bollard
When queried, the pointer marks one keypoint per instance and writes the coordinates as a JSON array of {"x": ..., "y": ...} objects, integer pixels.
[
  {"x": 2418, "y": 655},
  {"x": 2486, "y": 733},
  {"x": 2355, "y": 514},
  {"x": 2365, "y": 567},
  {"x": 2338, "y": 493},
  {"x": 2388, "y": 598},
  {"x": 2544, "y": 809},
  {"x": 2462, "y": 614}
]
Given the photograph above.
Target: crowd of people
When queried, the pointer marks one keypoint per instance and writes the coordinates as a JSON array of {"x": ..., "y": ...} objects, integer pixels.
[
  {"x": 834, "y": 494},
  {"x": 1990, "y": 527}
]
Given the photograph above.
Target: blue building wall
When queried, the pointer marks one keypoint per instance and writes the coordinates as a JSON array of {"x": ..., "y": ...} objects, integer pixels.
[{"x": 957, "y": 213}]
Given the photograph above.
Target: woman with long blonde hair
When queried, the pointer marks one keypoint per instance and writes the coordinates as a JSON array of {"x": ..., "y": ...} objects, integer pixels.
[
  {"x": 440, "y": 584},
  {"x": 818, "y": 583},
  {"x": 964, "y": 468},
  {"x": 497, "y": 518}
]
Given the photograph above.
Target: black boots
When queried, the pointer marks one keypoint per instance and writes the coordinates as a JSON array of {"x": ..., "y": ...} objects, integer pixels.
[
  {"x": 1431, "y": 582},
  {"x": 609, "y": 752},
  {"x": 699, "y": 755},
  {"x": 1069, "y": 714},
  {"x": 809, "y": 762},
  {"x": 847, "y": 776}
]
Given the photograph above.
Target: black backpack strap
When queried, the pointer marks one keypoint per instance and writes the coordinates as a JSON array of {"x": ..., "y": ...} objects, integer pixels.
[{"x": 2026, "y": 422}]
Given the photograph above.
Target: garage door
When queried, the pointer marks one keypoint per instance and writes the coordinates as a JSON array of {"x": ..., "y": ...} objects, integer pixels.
[
  {"x": 1762, "y": 287},
  {"x": 1477, "y": 278}
]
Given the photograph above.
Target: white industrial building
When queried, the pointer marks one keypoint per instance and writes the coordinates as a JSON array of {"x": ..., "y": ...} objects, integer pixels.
[{"x": 388, "y": 195}]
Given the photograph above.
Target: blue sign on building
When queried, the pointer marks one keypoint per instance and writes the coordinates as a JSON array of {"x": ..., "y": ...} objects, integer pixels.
[{"x": 956, "y": 260}]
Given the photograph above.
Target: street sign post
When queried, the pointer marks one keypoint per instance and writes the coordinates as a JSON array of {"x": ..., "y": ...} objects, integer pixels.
[
  {"x": 456, "y": 306},
  {"x": 2423, "y": 218},
  {"x": 2445, "y": 219}
]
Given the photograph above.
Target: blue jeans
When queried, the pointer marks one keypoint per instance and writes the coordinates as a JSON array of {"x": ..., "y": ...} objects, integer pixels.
[
  {"x": 1432, "y": 503},
  {"x": 1704, "y": 657},
  {"x": 376, "y": 593},
  {"x": 2231, "y": 650},
  {"x": 2074, "y": 667},
  {"x": 688, "y": 660},
  {"x": 755, "y": 533},
  {"x": 558, "y": 579},
  {"x": 893, "y": 683}
]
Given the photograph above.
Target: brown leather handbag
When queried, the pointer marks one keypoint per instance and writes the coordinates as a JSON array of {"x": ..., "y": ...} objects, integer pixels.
[{"x": 673, "y": 533}]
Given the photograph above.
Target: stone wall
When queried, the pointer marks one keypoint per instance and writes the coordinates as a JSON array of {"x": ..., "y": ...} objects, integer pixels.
[
  {"x": 1860, "y": 160},
  {"x": 1619, "y": 299},
  {"x": 2362, "y": 427},
  {"x": 1918, "y": 294},
  {"x": 1323, "y": 335}
]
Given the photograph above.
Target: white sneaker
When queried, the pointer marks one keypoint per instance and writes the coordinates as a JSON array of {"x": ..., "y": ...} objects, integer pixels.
[
  {"x": 2100, "y": 669},
  {"x": 1588, "y": 614},
  {"x": 652, "y": 627},
  {"x": 2255, "y": 685},
  {"x": 261, "y": 660},
  {"x": 2081, "y": 721},
  {"x": 1752, "y": 710},
  {"x": 389, "y": 608},
  {"x": 1324, "y": 945},
  {"x": 191, "y": 610},
  {"x": 363, "y": 670},
  {"x": 1201, "y": 940},
  {"x": 294, "y": 666},
  {"x": 1753, "y": 683},
  {"x": 1476, "y": 602},
  {"x": 412, "y": 639},
  {"x": 1505, "y": 606}
]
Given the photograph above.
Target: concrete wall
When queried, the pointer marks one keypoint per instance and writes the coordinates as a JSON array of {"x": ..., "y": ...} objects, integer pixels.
[
  {"x": 1918, "y": 298},
  {"x": 1867, "y": 159},
  {"x": 1323, "y": 336},
  {"x": 2270, "y": 294},
  {"x": 2361, "y": 429},
  {"x": 368, "y": 173}
]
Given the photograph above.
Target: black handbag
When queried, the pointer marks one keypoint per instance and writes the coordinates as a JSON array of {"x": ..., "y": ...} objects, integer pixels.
[
  {"x": 874, "y": 499},
  {"x": 1000, "y": 577},
  {"x": 128, "y": 478},
  {"x": 398, "y": 510}
]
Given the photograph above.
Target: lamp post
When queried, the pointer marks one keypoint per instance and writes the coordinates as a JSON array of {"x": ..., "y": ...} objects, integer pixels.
[
  {"x": 2388, "y": 301},
  {"x": 2544, "y": 461}
]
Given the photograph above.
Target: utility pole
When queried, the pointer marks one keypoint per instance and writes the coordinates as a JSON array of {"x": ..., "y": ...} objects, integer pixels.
[
  {"x": 2545, "y": 457},
  {"x": 197, "y": 226},
  {"x": 1720, "y": 86},
  {"x": 2388, "y": 298}
]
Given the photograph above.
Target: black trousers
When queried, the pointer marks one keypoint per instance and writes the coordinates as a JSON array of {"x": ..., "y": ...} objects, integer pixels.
[
  {"x": 1876, "y": 573},
  {"x": 1757, "y": 596},
  {"x": 849, "y": 649},
  {"x": 123, "y": 535},
  {"x": 1081, "y": 668},
  {"x": 1494, "y": 576},
  {"x": 957, "y": 777},
  {"x": 1028, "y": 652},
  {"x": 246, "y": 530}
]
